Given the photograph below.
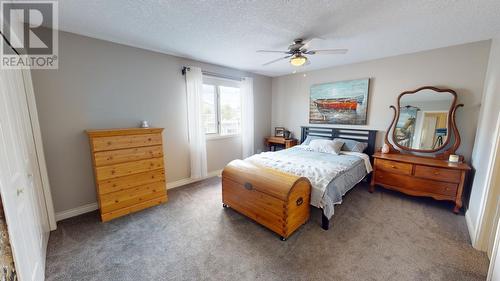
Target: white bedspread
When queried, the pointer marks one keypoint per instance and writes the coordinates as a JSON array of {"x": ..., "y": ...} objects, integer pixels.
[
  {"x": 363, "y": 156},
  {"x": 320, "y": 171}
]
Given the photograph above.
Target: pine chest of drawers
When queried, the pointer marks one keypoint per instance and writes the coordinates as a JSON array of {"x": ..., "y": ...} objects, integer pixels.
[
  {"x": 129, "y": 170},
  {"x": 420, "y": 176}
]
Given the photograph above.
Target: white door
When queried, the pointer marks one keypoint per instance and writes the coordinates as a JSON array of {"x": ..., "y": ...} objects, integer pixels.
[{"x": 24, "y": 211}]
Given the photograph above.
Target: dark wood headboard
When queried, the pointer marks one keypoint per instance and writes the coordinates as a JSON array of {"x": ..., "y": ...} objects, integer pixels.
[{"x": 368, "y": 136}]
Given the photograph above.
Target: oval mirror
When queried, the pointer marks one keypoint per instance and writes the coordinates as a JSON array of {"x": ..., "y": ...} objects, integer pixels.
[{"x": 423, "y": 119}]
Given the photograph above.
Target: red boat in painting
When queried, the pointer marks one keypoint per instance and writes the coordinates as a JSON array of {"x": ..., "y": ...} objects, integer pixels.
[{"x": 336, "y": 104}]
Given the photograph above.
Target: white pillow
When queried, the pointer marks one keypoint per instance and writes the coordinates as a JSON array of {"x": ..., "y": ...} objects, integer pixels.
[
  {"x": 326, "y": 146},
  {"x": 308, "y": 140}
]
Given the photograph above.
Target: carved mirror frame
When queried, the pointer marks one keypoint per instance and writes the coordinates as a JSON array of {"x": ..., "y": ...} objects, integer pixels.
[{"x": 442, "y": 152}]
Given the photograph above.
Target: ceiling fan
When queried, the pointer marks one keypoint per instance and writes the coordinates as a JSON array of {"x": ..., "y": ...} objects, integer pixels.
[{"x": 297, "y": 53}]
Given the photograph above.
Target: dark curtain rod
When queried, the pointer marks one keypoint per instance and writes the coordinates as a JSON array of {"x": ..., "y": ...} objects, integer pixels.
[{"x": 213, "y": 74}]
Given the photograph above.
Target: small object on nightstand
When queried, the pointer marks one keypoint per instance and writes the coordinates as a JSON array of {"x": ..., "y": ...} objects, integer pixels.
[
  {"x": 287, "y": 134},
  {"x": 273, "y": 142},
  {"x": 279, "y": 132}
]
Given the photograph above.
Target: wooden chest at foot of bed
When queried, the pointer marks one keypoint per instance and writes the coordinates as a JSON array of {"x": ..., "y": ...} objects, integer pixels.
[{"x": 276, "y": 200}]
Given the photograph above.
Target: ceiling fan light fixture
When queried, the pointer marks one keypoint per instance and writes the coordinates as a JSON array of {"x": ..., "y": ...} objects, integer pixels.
[{"x": 298, "y": 60}]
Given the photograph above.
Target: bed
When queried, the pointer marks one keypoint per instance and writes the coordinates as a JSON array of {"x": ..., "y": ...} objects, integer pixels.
[{"x": 331, "y": 176}]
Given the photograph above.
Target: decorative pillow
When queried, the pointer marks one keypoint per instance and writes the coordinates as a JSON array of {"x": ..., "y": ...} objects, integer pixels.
[
  {"x": 308, "y": 139},
  {"x": 326, "y": 146},
  {"x": 352, "y": 145}
]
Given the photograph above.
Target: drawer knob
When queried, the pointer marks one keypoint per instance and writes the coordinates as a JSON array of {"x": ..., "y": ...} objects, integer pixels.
[
  {"x": 248, "y": 186},
  {"x": 436, "y": 173},
  {"x": 299, "y": 201}
]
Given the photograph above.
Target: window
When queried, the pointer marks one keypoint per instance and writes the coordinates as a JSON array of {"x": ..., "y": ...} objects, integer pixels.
[
  {"x": 221, "y": 108},
  {"x": 230, "y": 110},
  {"x": 209, "y": 109}
]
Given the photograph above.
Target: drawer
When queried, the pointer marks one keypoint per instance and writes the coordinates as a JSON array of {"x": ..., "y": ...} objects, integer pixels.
[
  {"x": 267, "y": 210},
  {"x": 126, "y": 182},
  {"x": 134, "y": 208},
  {"x": 393, "y": 166},
  {"x": 129, "y": 168},
  {"x": 416, "y": 186},
  {"x": 125, "y": 198},
  {"x": 440, "y": 174},
  {"x": 120, "y": 142},
  {"x": 111, "y": 157}
]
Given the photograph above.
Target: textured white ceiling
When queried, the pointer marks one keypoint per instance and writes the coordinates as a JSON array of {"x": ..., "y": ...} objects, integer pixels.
[{"x": 228, "y": 32}]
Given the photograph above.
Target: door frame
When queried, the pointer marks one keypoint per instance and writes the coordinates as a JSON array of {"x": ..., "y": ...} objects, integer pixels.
[{"x": 483, "y": 235}]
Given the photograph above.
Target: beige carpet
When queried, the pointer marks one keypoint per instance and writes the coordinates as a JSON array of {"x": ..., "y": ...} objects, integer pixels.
[{"x": 379, "y": 236}]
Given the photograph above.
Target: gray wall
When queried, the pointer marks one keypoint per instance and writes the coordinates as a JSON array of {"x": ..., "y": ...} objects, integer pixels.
[
  {"x": 461, "y": 68},
  {"x": 101, "y": 84}
]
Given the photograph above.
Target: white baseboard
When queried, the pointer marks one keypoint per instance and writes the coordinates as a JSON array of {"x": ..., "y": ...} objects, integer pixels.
[
  {"x": 76, "y": 211},
  {"x": 174, "y": 184},
  {"x": 93, "y": 206},
  {"x": 471, "y": 228}
]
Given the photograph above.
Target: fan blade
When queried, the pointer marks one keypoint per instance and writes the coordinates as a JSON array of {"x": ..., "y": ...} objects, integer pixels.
[
  {"x": 306, "y": 43},
  {"x": 269, "y": 51},
  {"x": 327, "y": 52},
  {"x": 276, "y": 60}
]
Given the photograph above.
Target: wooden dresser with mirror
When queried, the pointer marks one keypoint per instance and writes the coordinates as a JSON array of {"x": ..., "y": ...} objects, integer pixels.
[{"x": 418, "y": 143}]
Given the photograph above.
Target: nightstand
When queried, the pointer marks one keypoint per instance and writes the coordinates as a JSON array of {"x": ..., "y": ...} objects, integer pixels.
[{"x": 273, "y": 142}]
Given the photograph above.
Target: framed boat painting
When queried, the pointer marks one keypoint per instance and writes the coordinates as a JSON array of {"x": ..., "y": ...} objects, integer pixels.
[{"x": 343, "y": 102}]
